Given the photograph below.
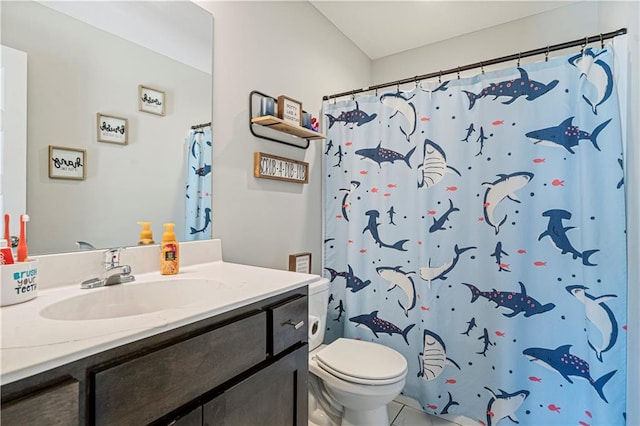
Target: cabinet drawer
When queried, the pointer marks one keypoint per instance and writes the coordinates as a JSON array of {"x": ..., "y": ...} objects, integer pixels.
[
  {"x": 146, "y": 388},
  {"x": 288, "y": 324},
  {"x": 57, "y": 405}
]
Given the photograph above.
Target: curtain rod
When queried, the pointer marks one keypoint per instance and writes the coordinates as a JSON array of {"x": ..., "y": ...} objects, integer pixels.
[
  {"x": 200, "y": 126},
  {"x": 579, "y": 42}
]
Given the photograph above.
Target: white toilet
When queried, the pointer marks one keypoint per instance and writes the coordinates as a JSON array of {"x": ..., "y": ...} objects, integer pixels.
[{"x": 350, "y": 381}]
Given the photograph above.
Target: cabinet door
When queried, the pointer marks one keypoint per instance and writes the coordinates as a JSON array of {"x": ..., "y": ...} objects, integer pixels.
[
  {"x": 274, "y": 396},
  {"x": 57, "y": 405},
  {"x": 193, "y": 418}
]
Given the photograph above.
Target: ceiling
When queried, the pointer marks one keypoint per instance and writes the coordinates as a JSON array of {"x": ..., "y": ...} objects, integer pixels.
[{"x": 382, "y": 28}]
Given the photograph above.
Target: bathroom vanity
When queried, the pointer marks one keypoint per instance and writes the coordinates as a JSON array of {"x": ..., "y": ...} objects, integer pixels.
[{"x": 236, "y": 356}]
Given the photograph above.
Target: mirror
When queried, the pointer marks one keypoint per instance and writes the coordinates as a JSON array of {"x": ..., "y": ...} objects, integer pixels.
[{"x": 78, "y": 68}]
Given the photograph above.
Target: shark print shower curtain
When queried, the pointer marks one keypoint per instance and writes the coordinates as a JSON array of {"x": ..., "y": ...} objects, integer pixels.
[
  {"x": 198, "y": 191},
  {"x": 479, "y": 229}
]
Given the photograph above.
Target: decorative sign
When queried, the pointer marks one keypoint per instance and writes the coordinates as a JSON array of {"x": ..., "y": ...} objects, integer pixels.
[
  {"x": 66, "y": 163},
  {"x": 290, "y": 110},
  {"x": 112, "y": 129},
  {"x": 300, "y": 262},
  {"x": 150, "y": 100},
  {"x": 271, "y": 167}
]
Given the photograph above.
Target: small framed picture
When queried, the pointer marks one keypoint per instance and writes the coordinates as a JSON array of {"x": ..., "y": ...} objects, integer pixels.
[
  {"x": 112, "y": 129},
  {"x": 290, "y": 110},
  {"x": 67, "y": 163},
  {"x": 151, "y": 100},
  {"x": 300, "y": 262}
]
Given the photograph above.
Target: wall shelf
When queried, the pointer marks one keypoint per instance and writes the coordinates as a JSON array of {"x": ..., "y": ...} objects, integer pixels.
[
  {"x": 283, "y": 126},
  {"x": 275, "y": 129}
]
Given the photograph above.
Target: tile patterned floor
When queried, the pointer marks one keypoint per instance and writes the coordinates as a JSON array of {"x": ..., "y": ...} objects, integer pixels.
[{"x": 404, "y": 415}]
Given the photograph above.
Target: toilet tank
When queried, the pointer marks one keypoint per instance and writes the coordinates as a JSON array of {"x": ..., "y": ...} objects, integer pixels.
[{"x": 318, "y": 303}]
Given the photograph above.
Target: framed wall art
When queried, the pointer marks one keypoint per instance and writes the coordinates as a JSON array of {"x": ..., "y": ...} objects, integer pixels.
[
  {"x": 67, "y": 163},
  {"x": 151, "y": 100},
  {"x": 268, "y": 166},
  {"x": 112, "y": 129},
  {"x": 290, "y": 110},
  {"x": 300, "y": 262}
]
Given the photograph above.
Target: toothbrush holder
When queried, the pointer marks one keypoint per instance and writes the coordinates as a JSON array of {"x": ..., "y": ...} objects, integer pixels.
[{"x": 19, "y": 282}]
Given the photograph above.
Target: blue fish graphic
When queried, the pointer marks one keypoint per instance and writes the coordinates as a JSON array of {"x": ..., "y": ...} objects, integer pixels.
[
  {"x": 471, "y": 324},
  {"x": 401, "y": 279},
  {"x": 498, "y": 253},
  {"x": 434, "y": 165},
  {"x": 353, "y": 283},
  {"x": 372, "y": 227},
  {"x": 566, "y": 135},
  {"x": 516, "y": 302},
  {"x": 433, "y": 357},
  {"x": 504, "y": 405},
  {"x": 378, "y": 325},
  {"x": 597, "y": 73},
  {"x": 504, "y": 187},
  {"x": 207, "y": 222},
  {"x": 202, "y": 171},
  {"x": 438, "y": 224},
  {"x": 429, "y": 273},
  {"x": 558, "y": 234},
  {"x": 346, "y": 205},
  {"x": 381, "y": 155},
  {"x": 355, "y": 116},
  {"x": 567, "y": 364},
  {"x": 600, "y": 316},
  {"x": 514, "y": 89},
  {"x": 469, "y": 130},
  {"x": 401, "y": 105}
]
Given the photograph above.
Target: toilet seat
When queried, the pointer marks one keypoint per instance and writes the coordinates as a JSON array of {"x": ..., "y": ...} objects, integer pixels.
[{"x": 362, "y": 362}]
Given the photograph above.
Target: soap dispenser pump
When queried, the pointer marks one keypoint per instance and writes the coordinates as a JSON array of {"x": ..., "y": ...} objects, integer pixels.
[
  {"x": 169, "y": 251},
  {"x": 146, "y": 236}
]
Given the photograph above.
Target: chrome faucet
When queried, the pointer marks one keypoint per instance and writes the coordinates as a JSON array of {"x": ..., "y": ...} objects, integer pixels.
[{"x": 113, "y": 272}]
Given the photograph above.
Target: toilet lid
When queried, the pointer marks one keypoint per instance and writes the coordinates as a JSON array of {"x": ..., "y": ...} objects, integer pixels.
[{"x": 362, "y": 362}]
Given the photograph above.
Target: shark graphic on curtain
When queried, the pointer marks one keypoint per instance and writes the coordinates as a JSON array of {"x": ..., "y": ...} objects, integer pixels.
[
  {"x": 479, "y": 230},
  {"x": 198, "y": 191}
]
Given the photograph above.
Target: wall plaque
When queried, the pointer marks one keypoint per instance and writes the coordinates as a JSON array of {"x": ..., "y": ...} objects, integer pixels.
[
  {"x": 300, "y": 262},
  {"x": 290, "y": 110},
  {"x": 272, "y": 167}
]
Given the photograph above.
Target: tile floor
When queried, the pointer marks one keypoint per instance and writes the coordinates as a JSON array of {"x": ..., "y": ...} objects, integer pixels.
[{"x": 403, "y": 415}]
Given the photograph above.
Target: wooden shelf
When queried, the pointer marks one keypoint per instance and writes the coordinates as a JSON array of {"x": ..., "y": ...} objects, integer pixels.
[{"x": 282, "y": 126}]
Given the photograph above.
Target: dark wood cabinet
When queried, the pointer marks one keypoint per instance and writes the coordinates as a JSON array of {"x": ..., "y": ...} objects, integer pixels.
[
  {"x": 275, "y": 395},
  {"x": 49, "y": 406},
  {"x": 192, "y": 418},
  {"x": 248, "y": 366},
  {"x": 148, "y": 387}
]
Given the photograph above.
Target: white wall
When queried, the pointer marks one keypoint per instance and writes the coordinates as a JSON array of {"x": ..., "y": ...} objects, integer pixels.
[
  {"x": 279, "y": 48},
  {"x": 563, "y": 24}
]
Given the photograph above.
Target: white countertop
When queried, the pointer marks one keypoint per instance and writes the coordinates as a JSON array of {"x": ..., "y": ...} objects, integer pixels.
[{"x": 31, "y": 344}]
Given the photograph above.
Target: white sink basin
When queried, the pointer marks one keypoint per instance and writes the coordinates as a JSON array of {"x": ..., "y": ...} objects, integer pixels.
[{"x": 129, "y": 299}]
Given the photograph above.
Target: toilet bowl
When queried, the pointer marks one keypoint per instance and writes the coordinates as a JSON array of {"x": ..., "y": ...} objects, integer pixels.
[{"x": 351, "y": 381}]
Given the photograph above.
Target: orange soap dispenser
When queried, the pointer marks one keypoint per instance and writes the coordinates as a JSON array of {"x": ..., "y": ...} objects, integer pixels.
[
  {"x": 169, "y": 251},
  {"x": 146, "y": 236}
]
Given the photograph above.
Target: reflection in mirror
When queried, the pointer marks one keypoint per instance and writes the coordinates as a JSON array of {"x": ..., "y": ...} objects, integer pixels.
[{"x": 76, "y": 71}]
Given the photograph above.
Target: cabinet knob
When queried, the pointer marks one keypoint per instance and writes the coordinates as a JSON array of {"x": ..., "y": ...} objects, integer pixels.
[{"x": 295, "y": 325}]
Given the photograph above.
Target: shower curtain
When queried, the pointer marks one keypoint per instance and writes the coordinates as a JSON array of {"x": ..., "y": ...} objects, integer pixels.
[
  {"x": 198, "y": 190},
  {"x": 478, "y": 228}
]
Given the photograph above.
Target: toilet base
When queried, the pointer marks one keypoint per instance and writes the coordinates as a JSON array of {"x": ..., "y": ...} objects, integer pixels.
[{"x": 376, "y": 417}]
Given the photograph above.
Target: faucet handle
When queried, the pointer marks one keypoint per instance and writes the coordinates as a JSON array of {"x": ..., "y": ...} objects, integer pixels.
[{"x": 112, "y": 257}]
